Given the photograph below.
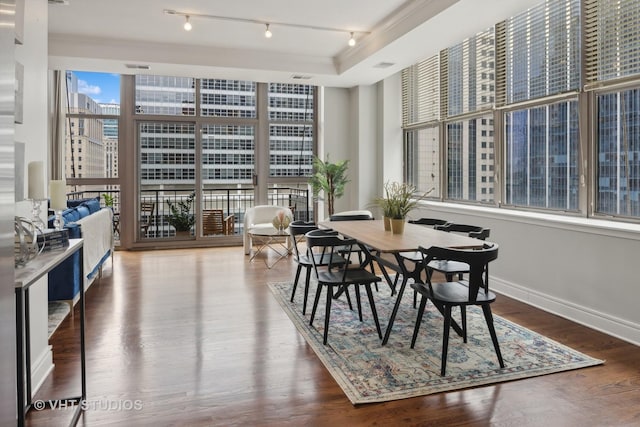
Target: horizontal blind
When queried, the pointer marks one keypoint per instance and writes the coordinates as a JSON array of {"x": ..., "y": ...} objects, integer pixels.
[
  {"x": 421, "y": 92},
  {"x": 470, "y": 74},
  {"x": 612, "y": 39},
  {"x": 444, "y": 83},
  {"x": 543, "y": 51},
  {"x": 501, "y": 64}
]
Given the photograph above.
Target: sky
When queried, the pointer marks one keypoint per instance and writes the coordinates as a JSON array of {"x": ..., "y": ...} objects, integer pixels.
[{"x": 101, "y": 87}]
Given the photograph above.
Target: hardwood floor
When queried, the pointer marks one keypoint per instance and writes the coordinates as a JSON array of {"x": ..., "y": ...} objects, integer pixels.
[{"x": 196, "y": 339}]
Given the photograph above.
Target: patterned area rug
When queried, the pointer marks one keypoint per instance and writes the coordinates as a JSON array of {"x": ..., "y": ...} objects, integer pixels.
[
  {"x": 369, "y": 372},
  {"x": 58, "y": 311}
]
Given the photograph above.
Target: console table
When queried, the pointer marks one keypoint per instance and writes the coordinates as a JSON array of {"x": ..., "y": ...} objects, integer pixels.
[{"x": 24, "y": 278}]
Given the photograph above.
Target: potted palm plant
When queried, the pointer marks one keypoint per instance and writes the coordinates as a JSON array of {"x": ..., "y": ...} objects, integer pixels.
[
  {"x": 330, "y": 178},
  {"x": 181, "y": 216}
]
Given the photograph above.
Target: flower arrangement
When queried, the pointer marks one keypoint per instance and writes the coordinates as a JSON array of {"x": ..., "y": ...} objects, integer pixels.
[{"x": 281, "y": 220}]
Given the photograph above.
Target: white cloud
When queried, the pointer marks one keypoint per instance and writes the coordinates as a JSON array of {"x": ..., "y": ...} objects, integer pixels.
[{"x": 87, "y": 89}]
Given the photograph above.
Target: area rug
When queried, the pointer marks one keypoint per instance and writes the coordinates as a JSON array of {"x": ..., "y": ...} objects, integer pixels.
[
  {"x": 368, "y": 372},
  {"x": 58, "y": 311}
]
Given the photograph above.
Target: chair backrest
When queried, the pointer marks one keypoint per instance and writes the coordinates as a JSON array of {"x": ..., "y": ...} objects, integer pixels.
[
  {"x": 351, "y": 216},
  {"x": 471, "y": 230},
  {"x": 298, "y": 228},
  {"x": 212, "y": 221},
  {"x": 264, "y": 214},
  {"x": 428, "y": 221},
  {"x": 477, "y": 259},
  {"x": 146, "y": 215},
  {"x": 325, "y": 242}
]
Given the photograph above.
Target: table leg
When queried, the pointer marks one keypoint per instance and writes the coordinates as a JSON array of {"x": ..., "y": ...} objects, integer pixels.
[
  {"x": 268, "y": 242},
  {"x": 20, "y": 355},
  {"x": 405, "y": 277},
  {"x": 395, "y": 310}
]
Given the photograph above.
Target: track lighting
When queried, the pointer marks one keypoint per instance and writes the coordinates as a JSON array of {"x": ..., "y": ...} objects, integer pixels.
[{"x": 267, "y": 32}]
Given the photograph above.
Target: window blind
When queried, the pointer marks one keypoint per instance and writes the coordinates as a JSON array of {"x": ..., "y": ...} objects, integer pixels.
[
  {"x": 421, "y": 92},
  {"x": 542, "y": 51},
  {"x": 612, "y": 39},
  {"x": 469, "y": 75}
]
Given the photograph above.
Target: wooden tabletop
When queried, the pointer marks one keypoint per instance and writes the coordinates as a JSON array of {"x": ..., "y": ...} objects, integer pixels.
[{"x": 372, "y": 233}]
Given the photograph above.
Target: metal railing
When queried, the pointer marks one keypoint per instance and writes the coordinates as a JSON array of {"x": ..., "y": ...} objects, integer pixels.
[{"x": 232, "y": 201}]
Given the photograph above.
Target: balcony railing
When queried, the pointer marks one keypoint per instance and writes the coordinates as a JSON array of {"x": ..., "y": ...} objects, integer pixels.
[{"x": 232, "y": 201}]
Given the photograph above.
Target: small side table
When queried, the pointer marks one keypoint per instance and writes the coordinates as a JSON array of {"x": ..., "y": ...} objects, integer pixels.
[
  {"x": 24, "y": 278},
  {"x": 270, "y": 238},
  {"x": 116, "y": 223}
]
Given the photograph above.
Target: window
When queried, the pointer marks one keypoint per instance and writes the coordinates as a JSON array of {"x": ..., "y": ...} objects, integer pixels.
[
  {"x": 421, "y": 92},
  {"x": 228, "y": 154},
  {"x": 539, "y": 77},
  {"x": 612, "y": 38},
  {"x": 163, "y": 95},
  {"x": 468, "y": 163},
  {"x": 291, "y": 129},
  {"x": 542, "y": 51},
  {"x": 542, "y": 58},
  {"x": 93, "y": 117},
  {"x": 612, "y": 56},
  {"x": 542, "y": 156},
  {"x": 167, "y": 153},
  {"x": 467, "y": 88},
  {"x": 618, "y": 153},
  {"x": 423, "y": 151},
  {"x": 227, "y": 98}
]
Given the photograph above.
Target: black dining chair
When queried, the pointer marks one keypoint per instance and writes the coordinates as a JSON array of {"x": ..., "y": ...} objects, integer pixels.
[
  {"x": 449, "y": 267},
  {"x": 461, "y": 293},
  {"x": 339, "y": 277},
  {"x": 415, "y": 257},
  {"x": 302, "y": 258},
  {"x": 428, "y": 221},
  {"x": 362, "y": 215}
]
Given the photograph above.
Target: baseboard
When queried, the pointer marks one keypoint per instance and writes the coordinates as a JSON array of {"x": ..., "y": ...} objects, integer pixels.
[
  {"x": 603, "y": 322},
  {"x": 41, "y": 367}
]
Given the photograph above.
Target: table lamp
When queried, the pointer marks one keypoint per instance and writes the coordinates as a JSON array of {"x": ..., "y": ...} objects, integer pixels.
[
  {"x": 36, "y": 192},
  {"x": 58, "y": 194}
]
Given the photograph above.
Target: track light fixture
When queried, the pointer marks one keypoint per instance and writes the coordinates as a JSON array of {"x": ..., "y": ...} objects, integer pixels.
[
  {"x": 352, "y": 41},
  {"x": 267, "y": 32}
]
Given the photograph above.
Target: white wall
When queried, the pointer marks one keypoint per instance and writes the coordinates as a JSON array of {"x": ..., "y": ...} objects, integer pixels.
[
  {"x": 390, "y": 141},
  {"x": 579, "y": 269},
  {"x": 363, "y": 124},
  {"x": 364, "y": 152},
  {"x": 335, "y": 138},
  {"x": 33, "y": 132}
]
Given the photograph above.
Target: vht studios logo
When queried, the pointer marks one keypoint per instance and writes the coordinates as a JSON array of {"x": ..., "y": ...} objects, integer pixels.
[{"x": 89, "y": 405}]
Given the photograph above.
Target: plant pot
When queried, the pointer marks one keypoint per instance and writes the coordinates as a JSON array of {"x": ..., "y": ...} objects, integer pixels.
[
  {"x": 397, "y": 225},
  {"x": 185, "y": 234},
  {"x": 387, "y": 223}
]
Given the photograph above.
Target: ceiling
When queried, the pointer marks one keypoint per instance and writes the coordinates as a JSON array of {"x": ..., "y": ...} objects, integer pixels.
[{"x": 98, "y": 35}]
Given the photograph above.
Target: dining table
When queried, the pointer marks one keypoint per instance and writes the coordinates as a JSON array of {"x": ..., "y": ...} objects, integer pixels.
[{"x": 387, "y": 249}]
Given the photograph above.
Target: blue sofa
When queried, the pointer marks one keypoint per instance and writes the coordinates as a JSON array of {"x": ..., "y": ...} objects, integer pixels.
[{"x": 65, "y": 280}]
